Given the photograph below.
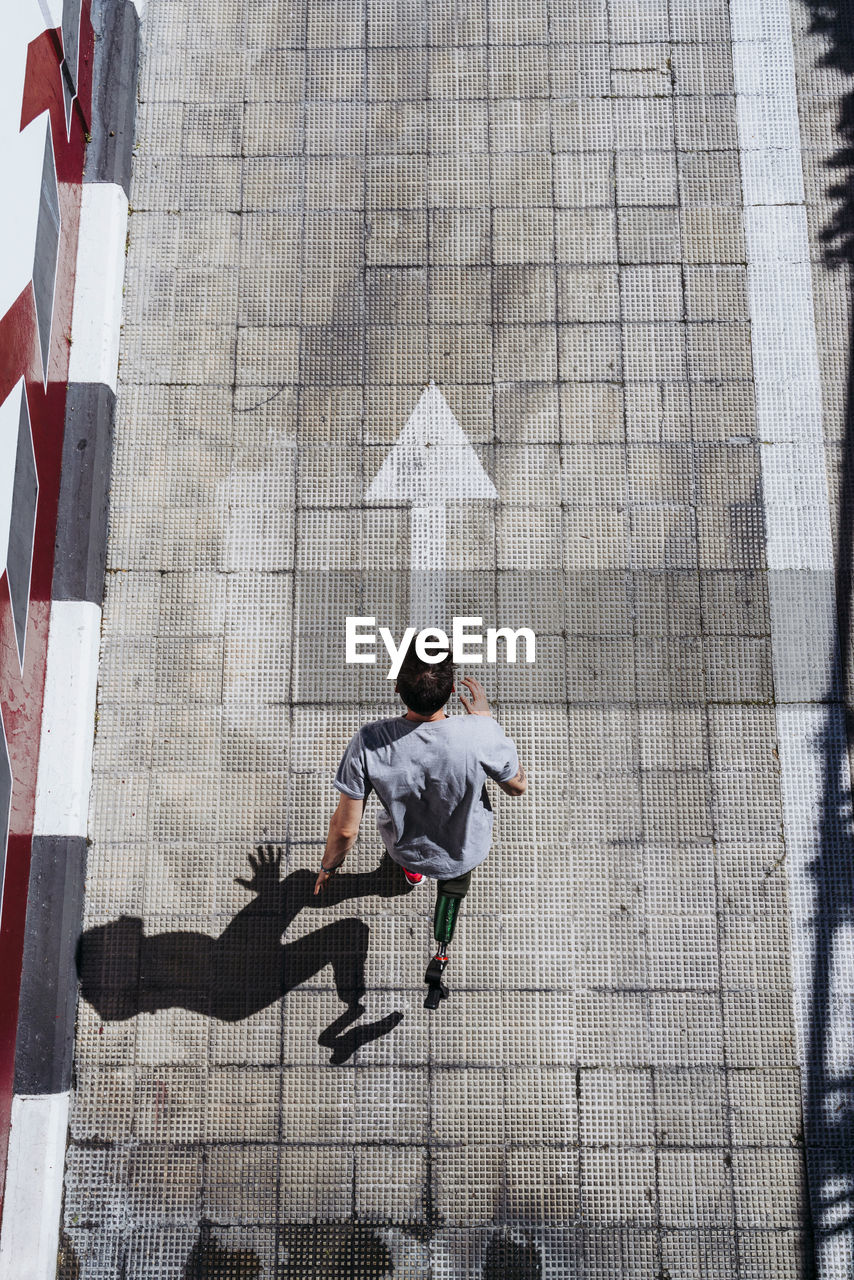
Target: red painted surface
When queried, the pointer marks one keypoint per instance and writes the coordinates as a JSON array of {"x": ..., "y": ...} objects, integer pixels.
[
  {"x": 43, "y": 92},
  {"x": 19, "y": 344},
  {"x": 22, "y": 692},
  {"x": 11, "y": 946},
  {"x": 22, "y": 707}
]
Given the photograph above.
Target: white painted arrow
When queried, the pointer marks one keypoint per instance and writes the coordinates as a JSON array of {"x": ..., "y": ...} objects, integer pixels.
[{"x": 430, "y": 465}]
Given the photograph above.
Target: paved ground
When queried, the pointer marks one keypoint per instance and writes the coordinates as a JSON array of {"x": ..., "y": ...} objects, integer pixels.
[{"x": 538, "y": 206}]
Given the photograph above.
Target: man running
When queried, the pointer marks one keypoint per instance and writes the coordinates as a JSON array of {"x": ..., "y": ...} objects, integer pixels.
[{"x": 429, "y": 771}]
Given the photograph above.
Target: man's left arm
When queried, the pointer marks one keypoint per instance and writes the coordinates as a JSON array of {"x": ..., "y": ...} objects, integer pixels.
[{"x": 343, "y": 830}]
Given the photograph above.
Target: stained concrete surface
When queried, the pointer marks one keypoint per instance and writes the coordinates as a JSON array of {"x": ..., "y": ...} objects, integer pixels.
[{"x": 537, "y": 206}]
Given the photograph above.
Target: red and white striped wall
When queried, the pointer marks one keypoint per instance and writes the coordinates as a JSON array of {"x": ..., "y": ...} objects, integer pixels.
[{"x": 62, "y": 243}]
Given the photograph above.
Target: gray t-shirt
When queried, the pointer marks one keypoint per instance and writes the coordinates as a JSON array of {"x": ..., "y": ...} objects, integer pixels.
[{"x": 430, "y": 777}]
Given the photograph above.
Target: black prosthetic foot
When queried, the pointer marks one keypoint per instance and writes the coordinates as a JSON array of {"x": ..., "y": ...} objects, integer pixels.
[{"x": 436, "y": 989}]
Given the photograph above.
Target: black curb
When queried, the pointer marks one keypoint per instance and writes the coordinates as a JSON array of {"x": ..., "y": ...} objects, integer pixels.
[
  {"x": 44, "y": 1046},
  {"x": 84, "y": 493},
  {"x": 44, "y": 1051},
  {"x": 110, "y": 151}
]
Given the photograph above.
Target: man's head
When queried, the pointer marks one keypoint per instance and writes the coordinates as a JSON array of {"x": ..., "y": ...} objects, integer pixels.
[{"x": 425, "y": 686}]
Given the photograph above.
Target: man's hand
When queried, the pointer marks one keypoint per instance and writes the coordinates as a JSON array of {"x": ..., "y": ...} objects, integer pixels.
[
  {"x": 322, "y": 877},
  {"x": 265, "y": 864},
  {"x": 478, "y": 705},
  {"x": 343, "y": 829}
]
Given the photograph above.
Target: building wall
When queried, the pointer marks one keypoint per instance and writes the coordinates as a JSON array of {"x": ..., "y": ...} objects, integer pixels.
[{"x": 45, "y": 98}]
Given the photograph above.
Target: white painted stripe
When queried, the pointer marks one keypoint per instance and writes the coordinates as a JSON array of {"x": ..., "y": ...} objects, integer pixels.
[
  {"x": 98, "y": 286},
  {"x": 427, "y": 559},
  {"x": 798, "y": 530},
  {"x": 33, "y": 1198},
  {"x": 785, "y": 355},
  {"x": 68, "y": 719},
  {"x": 796, "y": 491}
]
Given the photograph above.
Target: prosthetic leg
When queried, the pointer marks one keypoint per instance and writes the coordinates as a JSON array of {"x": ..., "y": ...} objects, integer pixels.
[{"x": 449, "y": 896}]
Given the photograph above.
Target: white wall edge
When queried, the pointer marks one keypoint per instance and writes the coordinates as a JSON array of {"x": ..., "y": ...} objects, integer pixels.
[
  {"x": 33, "y": 1198},
  {"x": 97, "y": 317},
  {"x": 68, "y": 719},
  {"x": 23, "y": 153},
  {"x": 52, "y": 13}
]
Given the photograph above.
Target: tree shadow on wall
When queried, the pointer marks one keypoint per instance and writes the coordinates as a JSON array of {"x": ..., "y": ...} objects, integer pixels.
[
  {"x": 343, "y": 1251},
  {"x": 209, "y": 1260},
  {"x": 510, "y": 1259},
  {"x": 828, "y": 1086},
  {"x": 339, "y": 1250},
  {"x": 67, "y": 1262},
  {"x": 248, "y": 967},
  {"x": 333, "y": 1251}
]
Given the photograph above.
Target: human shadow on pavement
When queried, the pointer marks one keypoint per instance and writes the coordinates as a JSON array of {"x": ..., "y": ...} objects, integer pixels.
[{"x": 123, "y": 972}]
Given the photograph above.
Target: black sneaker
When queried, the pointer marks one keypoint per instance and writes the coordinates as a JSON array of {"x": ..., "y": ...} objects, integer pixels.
[{"x": 433, "y": 977}]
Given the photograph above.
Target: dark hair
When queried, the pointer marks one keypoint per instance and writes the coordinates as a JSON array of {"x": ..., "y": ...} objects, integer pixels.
[{"x": 425, "y": 686}]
